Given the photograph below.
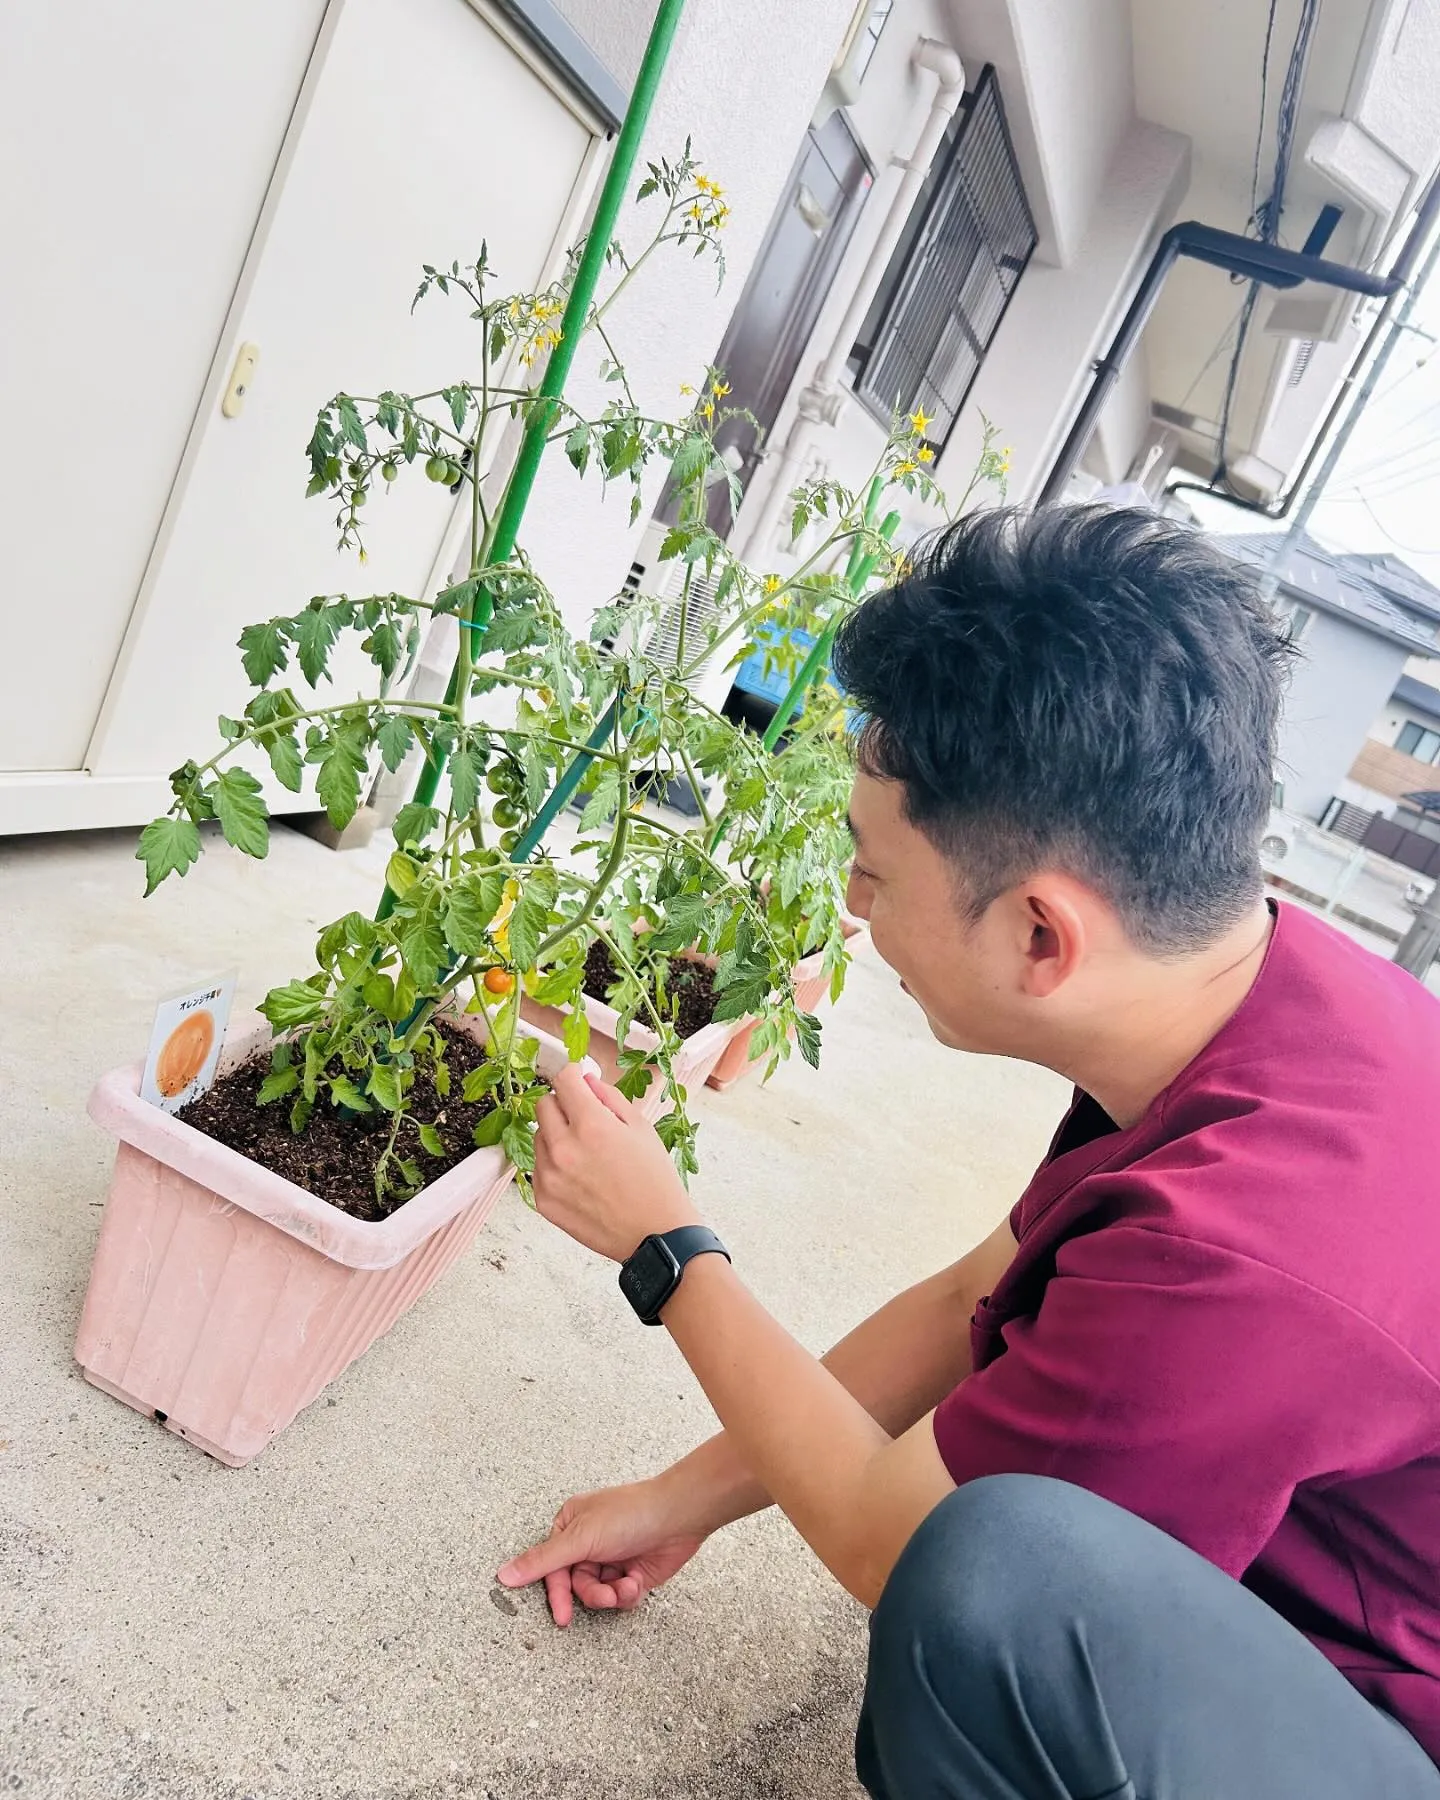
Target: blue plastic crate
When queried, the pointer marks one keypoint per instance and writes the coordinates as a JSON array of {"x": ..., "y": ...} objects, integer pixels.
[{"x": 773, "y": 685}]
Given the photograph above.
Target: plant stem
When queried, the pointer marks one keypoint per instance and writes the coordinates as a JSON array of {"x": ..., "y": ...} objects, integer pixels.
[{"x": 595, "y": 892}]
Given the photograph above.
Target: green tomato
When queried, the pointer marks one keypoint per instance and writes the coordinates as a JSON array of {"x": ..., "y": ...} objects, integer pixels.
[
  {"x": 438, "y": 469},
  {"x": 389, "y": 470},
  {"x": 357, "y": 469},
  {"x": 360, "y": 496},
  {"x": 509, "y": 840},
  {"x": 505, "y": 812},
  {"x": 498, "y": 778}
]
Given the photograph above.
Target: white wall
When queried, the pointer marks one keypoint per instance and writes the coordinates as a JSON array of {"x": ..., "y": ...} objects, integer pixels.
[{"x": 136, "y": 146}]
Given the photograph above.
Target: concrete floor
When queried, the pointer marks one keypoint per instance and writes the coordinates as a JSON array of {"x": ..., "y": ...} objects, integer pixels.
[{"x": 324, "y": 1623}]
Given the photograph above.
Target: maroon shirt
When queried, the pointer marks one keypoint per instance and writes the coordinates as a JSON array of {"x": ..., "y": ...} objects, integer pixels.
[{"x": 1226, "y": 1318}]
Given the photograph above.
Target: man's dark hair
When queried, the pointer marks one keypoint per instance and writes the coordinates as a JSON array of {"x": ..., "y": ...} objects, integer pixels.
[{"x": 1084, "y": 687}]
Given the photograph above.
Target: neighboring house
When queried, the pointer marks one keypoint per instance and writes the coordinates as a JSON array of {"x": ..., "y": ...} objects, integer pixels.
[
  {"x": 278, "y": 203},
  {"x": 1355, "y": 727}
]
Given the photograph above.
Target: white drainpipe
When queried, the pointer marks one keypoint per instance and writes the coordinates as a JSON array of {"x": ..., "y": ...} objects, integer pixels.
[{"x": 823, "y": 400}]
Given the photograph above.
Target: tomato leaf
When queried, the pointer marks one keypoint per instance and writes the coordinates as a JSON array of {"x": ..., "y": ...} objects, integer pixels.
[
  {"x": 277, "y": 1084},
  {"x": 338, "y": 783},
  {"x": 394, "y": 738},
  {"x": 471, "y": 905},
  {"x": 167, "y": 847},
  {"x": 297, "y": 1003},
  {"x": 465, "y": 767},
  {"x": 385, "y": 1088},
  {"x": 262, "y": 650},
  {"x": 414, "y": 822},
  {"x": 519, "y": 1145},
  {"x": 481, "y": 1081},
  {"x": 241, "y": 812},
  {"x": 317, "y": 627},
  {"x": 488, "y": 1131},
  {"x": 577, "y": 1031},
  {"x": 531, "y": 915},
  {"x": 284, "y": 755}
]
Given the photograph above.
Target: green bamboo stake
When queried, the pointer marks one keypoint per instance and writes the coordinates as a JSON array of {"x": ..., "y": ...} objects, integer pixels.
[
  {"x": 518, "y": 488},
  {"x": 861, "y": 568}
]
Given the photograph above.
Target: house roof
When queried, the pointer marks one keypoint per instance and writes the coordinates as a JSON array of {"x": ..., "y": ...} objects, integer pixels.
[
  {"x": 1419, "y": 696},
  {"x": 1379, "y": 594}
]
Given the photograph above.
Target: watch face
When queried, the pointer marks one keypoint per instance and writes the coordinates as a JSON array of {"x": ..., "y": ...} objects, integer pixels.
[{"x": 648, "y": 1278}]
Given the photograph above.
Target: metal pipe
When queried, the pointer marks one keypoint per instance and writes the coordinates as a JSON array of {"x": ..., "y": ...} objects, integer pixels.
[
  {"x": 822, "y": 400},
  {"x": 1286, "y": 540},
  {"x": 1269, "y": 264},
  {"x": 1403, "y": 266}
]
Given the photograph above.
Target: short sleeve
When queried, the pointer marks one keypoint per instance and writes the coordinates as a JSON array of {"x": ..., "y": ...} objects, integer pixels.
[{"x": 1182, "y": 1381}]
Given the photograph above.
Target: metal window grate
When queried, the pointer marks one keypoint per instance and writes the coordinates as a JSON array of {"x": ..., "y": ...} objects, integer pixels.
[{"x": 946, "y": 303}]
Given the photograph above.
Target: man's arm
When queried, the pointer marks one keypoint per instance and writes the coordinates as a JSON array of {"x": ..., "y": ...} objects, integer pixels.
[{"x": 899, "y": 1364}]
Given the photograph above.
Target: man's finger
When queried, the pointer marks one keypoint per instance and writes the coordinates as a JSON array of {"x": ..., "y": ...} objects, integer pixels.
[
  {"x": 610, "y": 1097},
  {"x": 628, "y": 1592},
  {"x": 591, "y": 1591},
  {"x": 572, "y": 1090},
  {"x": 550, "y": 1119},
  {"x": 557, "y": 1592},
  {"x": 557, "y": 1552}
]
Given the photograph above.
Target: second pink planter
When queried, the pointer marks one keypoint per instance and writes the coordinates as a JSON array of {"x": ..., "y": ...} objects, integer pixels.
[{"x": 812, "y": 985}]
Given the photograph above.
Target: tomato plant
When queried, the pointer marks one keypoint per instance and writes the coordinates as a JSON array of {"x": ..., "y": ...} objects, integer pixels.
[{"x": 477, "y": 911}]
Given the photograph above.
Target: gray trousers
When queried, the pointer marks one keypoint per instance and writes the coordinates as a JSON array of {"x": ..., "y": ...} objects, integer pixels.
[{"x": 1037, "y": 1643}]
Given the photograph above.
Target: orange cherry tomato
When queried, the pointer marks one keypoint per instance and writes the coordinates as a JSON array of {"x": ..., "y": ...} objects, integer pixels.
[{"x": 499, "y": 981}]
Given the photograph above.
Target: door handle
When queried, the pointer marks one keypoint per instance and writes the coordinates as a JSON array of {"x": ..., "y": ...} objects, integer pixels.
[{"x": 241, "y": 375}]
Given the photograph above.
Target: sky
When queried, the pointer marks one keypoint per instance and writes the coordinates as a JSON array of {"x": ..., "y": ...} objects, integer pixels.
[{"x": 1386, "y": 492}]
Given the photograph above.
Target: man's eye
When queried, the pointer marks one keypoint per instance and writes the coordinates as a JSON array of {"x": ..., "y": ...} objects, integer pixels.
[{"x": 858, "y": 869}]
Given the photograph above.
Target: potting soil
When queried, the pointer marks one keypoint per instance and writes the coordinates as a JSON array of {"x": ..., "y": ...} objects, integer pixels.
[
  {"x": 689, "y": 999},
  {"x": 334, "y": 1157}
]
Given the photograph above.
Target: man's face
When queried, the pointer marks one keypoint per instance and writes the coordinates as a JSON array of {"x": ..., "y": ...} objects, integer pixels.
[{"x": 959, "y": 972}]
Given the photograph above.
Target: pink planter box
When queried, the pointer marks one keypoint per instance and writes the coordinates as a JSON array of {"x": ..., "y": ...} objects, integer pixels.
[
  {"x": 697, "y": 1056},
  {"x": 812, "y": 985},
  {"x": 223, "y": 1298}
]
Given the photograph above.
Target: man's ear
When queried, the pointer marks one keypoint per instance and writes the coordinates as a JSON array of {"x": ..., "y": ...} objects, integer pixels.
[{"x": 1054, "y": 919}]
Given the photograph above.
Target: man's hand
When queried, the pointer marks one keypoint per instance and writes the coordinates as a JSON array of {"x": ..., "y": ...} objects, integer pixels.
[
  {"x": 607, "y": 1550},
  {"x": 601, "y": 1173}
]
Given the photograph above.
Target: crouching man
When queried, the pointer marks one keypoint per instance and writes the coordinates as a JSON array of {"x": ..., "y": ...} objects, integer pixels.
[{"x": 1144, "y": 1492}]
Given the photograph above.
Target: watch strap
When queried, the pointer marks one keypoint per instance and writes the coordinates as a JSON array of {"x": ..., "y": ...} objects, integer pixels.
[{"x": 686, "y": 1241}]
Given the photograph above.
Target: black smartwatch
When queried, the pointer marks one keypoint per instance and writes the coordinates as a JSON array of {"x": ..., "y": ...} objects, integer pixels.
[{"x": 652, "y": 1274}]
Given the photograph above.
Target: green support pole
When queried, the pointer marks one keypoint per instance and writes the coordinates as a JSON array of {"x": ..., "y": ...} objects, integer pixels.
[
  {"x": 861, "y": 568},
  {"x": 572, "y": 326},
  {"x": 858, "y": 571}
]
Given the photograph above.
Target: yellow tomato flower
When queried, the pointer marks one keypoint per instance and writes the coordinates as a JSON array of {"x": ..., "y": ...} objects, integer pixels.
[
  {"x": 906, "y": 468},
  {"x": 925, "y": 454},
  {"x": 500, "y": 924},
  {"x": 364, "y": 556},
  {"x": 720, "y": 389},
  {"x": 919, "y": 422},
  {"x": 708, "y": 409},
  {"x": 770, "y": 584},
  {"x": 686, "y": 389}
]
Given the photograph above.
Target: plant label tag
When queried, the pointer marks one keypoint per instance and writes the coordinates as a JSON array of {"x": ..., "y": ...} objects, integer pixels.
[{"x": 185, "y": 1044}]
